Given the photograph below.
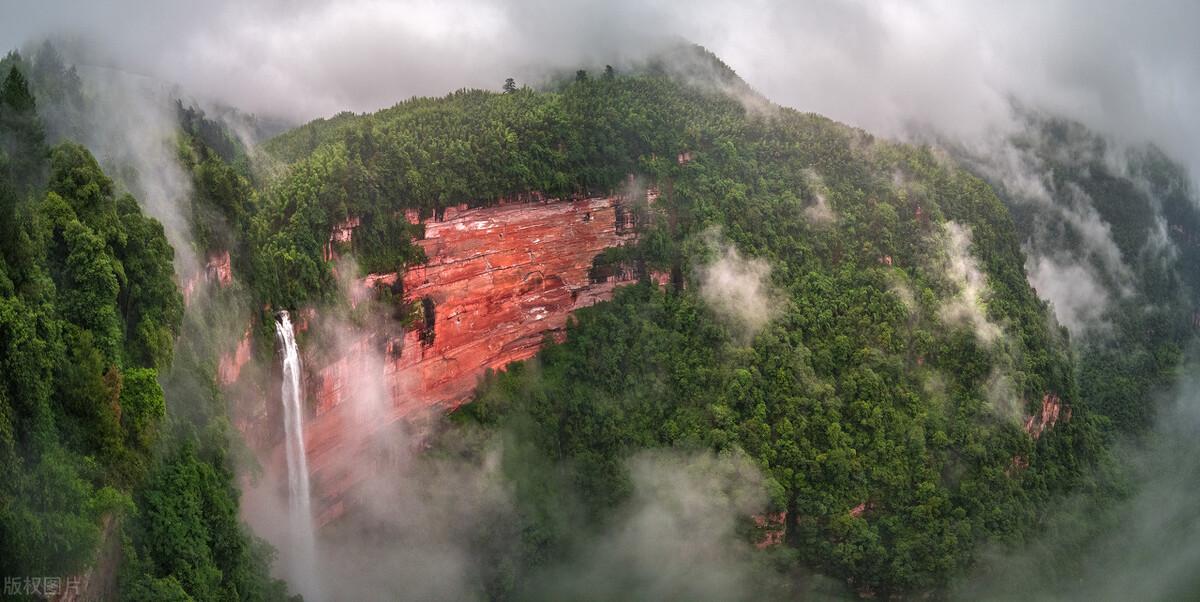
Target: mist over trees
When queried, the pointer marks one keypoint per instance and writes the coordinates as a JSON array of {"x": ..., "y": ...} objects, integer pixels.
[
  {"x": 844, "y": 363},
  {"x": 89, "y": 323}
]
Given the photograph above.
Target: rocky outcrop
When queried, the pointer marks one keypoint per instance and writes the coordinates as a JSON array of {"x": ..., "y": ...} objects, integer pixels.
[
  {"x": 861, "y": 509},
  {"x": 342, "y": 233},
  {"x": 1053, "y": 410},
  {"x": 218, "y": 270},
  {"x": 229, "y": 368},
  {"x": 769, "y": 529},
  {"x": 497, "y": 282}
]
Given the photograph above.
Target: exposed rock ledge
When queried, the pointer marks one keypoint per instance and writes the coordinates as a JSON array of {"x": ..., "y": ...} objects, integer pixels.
[{"x": 498, "y": 279}]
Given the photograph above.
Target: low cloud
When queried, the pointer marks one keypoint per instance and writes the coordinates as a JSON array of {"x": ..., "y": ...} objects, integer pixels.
[
  {"x": 434, "y": 526},
  {"x": 1002, "y": 396},
  {"x": 737, "y": 288},
  {"x": 819, "y": 212},
  {"x": 425, "y": 525},
  {"x": 1073, "y": 259},
  {"x": 864, "y": 63},
  {"x": 1076, "y": 295},
  {"x": 1141, "y": 546},
  {"x": 967, "y": 307},
  {"x": 675, "y": 539}
]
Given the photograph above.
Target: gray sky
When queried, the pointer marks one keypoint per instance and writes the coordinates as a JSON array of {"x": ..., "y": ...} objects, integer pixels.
[{"x": 1128, "y": 69}]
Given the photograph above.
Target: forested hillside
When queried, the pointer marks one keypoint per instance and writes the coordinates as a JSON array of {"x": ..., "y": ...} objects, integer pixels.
[
  {"x": 850, "y": 317},
  {"x": 1111, "y": 235},
  {"x": 90, "y": 312},
  {"x": 92, "y": 331},
  {"x": 882, "y": 389}
]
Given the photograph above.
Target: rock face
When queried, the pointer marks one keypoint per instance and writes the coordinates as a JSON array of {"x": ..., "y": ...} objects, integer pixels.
[
  {"x": 217, "y": 269},
  {"x": 497, "y": 282},
  {"x": 230, "y": 366},
  {"x": 342, "y": 233},
  {"x": 1053, "y": 410},
  {"x": 770, "y": 529}
]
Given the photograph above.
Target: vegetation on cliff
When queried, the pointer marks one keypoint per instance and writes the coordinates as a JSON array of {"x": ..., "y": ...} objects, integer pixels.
[
  {"x": 882, "y": 392},
  {"x": 88, "y": 316},
  {"x": 92, "y": 331},
  {"x": 1127, "y": 222},
  {"x": 851, "y": 315}
]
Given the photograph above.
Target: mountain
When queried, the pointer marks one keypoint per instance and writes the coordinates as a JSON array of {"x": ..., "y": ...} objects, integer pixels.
[
  {"x": 1109, "y": 236},
  {"x": 851, "y": 313},
  {"x": 637, "y": 333}
]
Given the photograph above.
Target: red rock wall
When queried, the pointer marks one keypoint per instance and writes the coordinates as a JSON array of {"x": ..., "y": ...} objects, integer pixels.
[
  {"x": 230, "y": 366},
  {"x": 501, "y": 279},
  {"x": 1053, "y": 410},
  {"x": 217, "y": 268}
]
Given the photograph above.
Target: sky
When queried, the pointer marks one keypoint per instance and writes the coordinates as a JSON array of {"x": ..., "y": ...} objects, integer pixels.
[{"x": 1127, "y": 69}]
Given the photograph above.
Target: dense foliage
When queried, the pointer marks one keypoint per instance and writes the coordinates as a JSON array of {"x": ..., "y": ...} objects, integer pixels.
[
  {"x": 880, "y": 385},
  {"x": 88, "y": 316},
  {"x": 1128, "y": 218},
  {"x": 92, "y": 331},
  {"x": 889, "y": 429},
  {"x": 470, "y": 147}
]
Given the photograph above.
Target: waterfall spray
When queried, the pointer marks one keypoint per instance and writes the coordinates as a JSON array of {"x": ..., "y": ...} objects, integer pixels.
[{"x": 303, "y": 562}]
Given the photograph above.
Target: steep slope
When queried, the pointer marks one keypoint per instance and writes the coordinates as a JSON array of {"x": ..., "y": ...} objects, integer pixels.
[
  {"x": 845, "y": 321},
  {"x": 633, "y": 335},
  {"x": 114, "y": 444},
  {"x": 88, "y": 314},
  {"x": 851, "y": 313},
  {"x": 1107, "y": 228},
  {"x": 1110, "y": 234},
  {"x": 496, "y": 283}
]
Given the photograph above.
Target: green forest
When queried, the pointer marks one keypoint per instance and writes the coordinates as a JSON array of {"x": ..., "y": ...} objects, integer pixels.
[
  {"x": 882, "y": 397},
  {"x": 92, "y": 331}
]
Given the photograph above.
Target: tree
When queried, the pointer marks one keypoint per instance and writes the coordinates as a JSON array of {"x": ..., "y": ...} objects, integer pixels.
[
  {"x": 15, "y": 92},
  {"x": 22, "y": 136},
  {"x": 510, "y": 86},
  {"x": 142, "y": 407},
  {"x": 581, "y": 75},
  {"x": 78, "y": 179},
  {"x": 150, "y": 302},
  {"x": 608, "y": 72}
]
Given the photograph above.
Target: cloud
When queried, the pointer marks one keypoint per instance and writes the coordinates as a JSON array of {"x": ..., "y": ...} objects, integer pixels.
[
  {"x": 1076, "y": 294},
  {"x": 1142, "y": 544},
  {"x": 1072, "y": 256},
  {"x": 819, "y": 212},
  {"x": 675, "y": 539},
  {"x": 885, "y": 66},
  {"x": 737, "y": 288},
  {"x": 435, "y": 526},
  {"x": 1002, "y": 396},
  {"x": 896, "y": 68},
  {"x": 132, "y": 130},
  {"x": 967, "y": 307}
]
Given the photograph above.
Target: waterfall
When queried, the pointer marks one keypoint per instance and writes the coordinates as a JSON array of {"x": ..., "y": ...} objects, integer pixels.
[{"x": 302, "y": 555}]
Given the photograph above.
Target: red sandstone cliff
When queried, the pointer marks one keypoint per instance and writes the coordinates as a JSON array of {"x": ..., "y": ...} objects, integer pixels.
[
  {"x": 499, "y": 279},
  {"x": 496, "y": 282},
  {"x": 230, "y": 366},
  {"x": 217, "y": 269},
  {"x": 1053, "y": 410}
]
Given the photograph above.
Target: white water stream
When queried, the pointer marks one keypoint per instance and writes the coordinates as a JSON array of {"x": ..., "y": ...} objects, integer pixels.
[{"x": 302, "y": 565}]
